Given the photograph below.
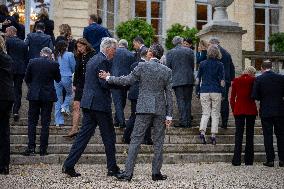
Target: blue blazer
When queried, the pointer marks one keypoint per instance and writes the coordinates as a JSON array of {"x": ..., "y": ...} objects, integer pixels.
[
  {"x": 269, "y": 90},
  {"x": 96, "y": 93},
  {"x": 40, "y": 76},
  {"x": 37, "y": 41},
  {"x": 94, "y": 34},
  {"x": 121, "y": 62},
  {"x": 229, "y": 67},
  {"x": 18, "y": 50}
]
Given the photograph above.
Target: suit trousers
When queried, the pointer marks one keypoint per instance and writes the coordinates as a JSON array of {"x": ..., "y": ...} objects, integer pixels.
[
  {"x": 142, "y": 123},
  {"x": 18, "y": 81},
  {"x": 267, "y": 127},
  {"x": 241, "y": 122},
  {"x": 119, "y": 97},
  {"x": 225, "y": 106},
  {"x": 211, "y": 104},
  {"x": 5, "y": 109},
  {"x": 90, "y": 121},
  {"x": 184, "y": 97},
  {"x": 130, "y": 125},
  {"x": 44, "y": 109}
]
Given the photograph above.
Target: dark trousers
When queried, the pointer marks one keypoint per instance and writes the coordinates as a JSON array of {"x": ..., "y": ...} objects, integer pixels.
[
  {"x": 90, "y": 121},
  {"x": 225, "y": 106},
  {"x": 43, "y": 109},
  {"x": 18, "y": 81},
  {"x": 243, "y": 121},
  {"x": 267, "y": 127},
  {"x": 119, "y": 97},
  {"x": 5, "y": 109},
  {"x": 130, "y": 125},
  {"x": 184, "y": 97}
]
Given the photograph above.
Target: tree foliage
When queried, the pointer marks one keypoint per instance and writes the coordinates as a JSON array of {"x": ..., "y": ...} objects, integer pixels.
[
  {"x": 277, "y": 40},
  {"x": 182, "y": 31},
  {"x": 130, "y": 29}
]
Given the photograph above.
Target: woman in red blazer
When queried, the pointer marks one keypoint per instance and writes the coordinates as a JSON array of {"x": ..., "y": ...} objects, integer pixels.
[{"x": 245, "y": 112}]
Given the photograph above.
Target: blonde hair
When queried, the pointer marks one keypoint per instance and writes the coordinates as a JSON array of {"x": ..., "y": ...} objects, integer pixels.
[
  {"x": 214, "y": 52},
  {"x": 65, "y": 29},
  {"x": 2, "y": 45},
  {"x": 203, "y": 43},
  {"x": 249, "y": 70}
]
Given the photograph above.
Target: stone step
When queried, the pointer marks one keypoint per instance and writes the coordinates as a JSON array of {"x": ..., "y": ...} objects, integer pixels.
[
  {"x": 22, "y": 130},
  {"x": 145, "y": 149},
  {"x": 169, "y": 158},
  {"x": 169, "y": 139},
  {"x": 195, "y": 122}
]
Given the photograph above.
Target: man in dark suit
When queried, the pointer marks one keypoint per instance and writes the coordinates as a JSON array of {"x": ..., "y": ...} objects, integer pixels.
[
  {"x": 37, "y": 41},
  {"x": 229, "y": 69},
  {"x": 40, "y": 76},
  {"x": 21, "y": 27},
  {"x": 6, "y": 103},
  {"x": 181, "y": 60},
  {"x": 121, "y": 63},
  {"x": 96, "y": 105},
  {"x": 138, "y": 45},
  {"x": 269, "y": 90},
  {"x": 95, "y": 32},
  {"x": 133, "y": 97},
  {"x": 18, "y": 50},
  {"x": 154, "y": 106}
]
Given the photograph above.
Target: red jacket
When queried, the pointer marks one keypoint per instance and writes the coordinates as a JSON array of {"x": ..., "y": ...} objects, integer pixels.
[{"x": 241, "y": 101}]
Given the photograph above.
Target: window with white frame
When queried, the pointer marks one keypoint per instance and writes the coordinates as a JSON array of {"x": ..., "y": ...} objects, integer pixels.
[
  {"x": 152, "y": 12},
  {"x": 266, "y": 22},
  {"x": 107, "y": 10},
  {"x": 203, "y": 13}
]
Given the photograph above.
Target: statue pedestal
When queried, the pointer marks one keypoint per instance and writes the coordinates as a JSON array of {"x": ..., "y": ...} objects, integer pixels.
[{"x": 230, "y": 37}]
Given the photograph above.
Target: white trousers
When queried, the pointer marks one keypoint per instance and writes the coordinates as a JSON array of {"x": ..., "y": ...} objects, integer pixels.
[{"x": 211, "y": 105}]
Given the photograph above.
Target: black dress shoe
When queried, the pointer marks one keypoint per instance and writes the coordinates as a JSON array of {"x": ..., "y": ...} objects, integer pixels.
[
  {"x": 202, "y": 138},
  {"x": 29, "y": 152},
  {"x": 43, "y": 153},
  {"x": 281, "y": 163},
  {"x": 224, "y": 126},
  {"x": 16, "y": 117},
  {"x": 123, "y": 177},
  {"x": 156, "y": 177},
  {"x": 150, "y": 142},
  {"x": 71, "y": 172},
  {"x": 4, "y": 171},
  {"x": 236, "y": 164},
  {"x": 114, "y": 172},
  {"x": 269, "y": 164}
]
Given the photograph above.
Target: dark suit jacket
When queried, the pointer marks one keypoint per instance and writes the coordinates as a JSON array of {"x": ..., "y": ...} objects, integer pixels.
[
  {"x": 134, "y": 89},
  {"x": 94, "y": 34},
  {"x": 181, "y": 60},
  {"x": 13, "y": 22},
  {"x": 40, "y": 76},
  {"x": 37, "y": 41},
  {"x": 49, "y": 28},
  {"x": 18, "y": 50},
  {"x": 121, "y": 62},
  {"x": 269, "y": 90},
  {"x": 96, "y": 93},
  {"x": 229, "y": 67},
  {"x": 21, "y": 32},
  {"x": 6, "y": 78}
]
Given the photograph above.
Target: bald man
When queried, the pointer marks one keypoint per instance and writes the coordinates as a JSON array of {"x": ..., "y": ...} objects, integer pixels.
[{"x": 18, "y": 50}]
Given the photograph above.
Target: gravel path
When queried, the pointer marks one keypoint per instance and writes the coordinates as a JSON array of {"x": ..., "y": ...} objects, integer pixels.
[{"x": 196, "y": 176}]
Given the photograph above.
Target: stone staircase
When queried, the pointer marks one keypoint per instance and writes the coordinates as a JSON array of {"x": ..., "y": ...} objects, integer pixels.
[{"x": 181, "y": 146}]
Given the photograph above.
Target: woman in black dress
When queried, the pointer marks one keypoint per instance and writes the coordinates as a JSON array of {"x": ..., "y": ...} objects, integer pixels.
[
  {"x": 84, "y": 52},
  {"x": 6, "y": 103}
]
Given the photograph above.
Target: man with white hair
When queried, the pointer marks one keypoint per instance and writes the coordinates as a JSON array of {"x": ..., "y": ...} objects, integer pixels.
[
  {"x": 181, "y": 60},
  {"x": 40, "y": 76},
  {"x": 121, "y": 63},
  {"x": 18, "y": 51},
  {"x": 229, "y": 69},
  {"x": 96, "y": 105}
]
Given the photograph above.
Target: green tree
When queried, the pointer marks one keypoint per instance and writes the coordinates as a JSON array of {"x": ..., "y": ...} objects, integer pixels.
[
  {"x": 182, "y": 31},
  {"x": 277, "y": 40},
  {"x": 130, "y": 29}
]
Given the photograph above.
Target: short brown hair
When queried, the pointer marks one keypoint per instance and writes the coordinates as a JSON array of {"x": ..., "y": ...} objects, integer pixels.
[
  {"x": 65, "y": 29},
  {"x": 214, "y": 52},
  {"x": 93, "y": 17},
  {"x": 266, "y": 65},
  {"x": 83, "y": 41}
]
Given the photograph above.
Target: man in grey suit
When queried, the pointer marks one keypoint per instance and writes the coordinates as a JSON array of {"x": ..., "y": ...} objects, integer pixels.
[
  {"x": 154, "y": 106},
  {"x": 181, "y": 60}
]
